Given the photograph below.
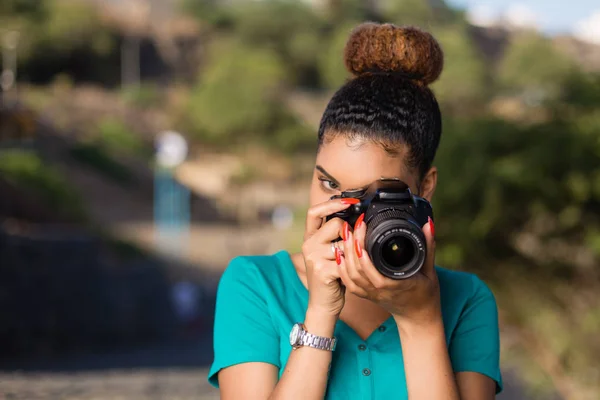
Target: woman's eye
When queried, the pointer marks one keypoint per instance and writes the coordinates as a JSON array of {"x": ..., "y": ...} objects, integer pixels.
[{"x": 329, "y": 185}]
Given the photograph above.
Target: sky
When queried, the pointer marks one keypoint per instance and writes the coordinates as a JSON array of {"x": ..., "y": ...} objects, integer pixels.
[{"x": 579, "y": 17}]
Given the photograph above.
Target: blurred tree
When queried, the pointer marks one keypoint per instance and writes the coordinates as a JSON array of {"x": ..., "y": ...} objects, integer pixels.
[
  {"x": 462, "y": 87},
  {"x": 54, "y": 34},
  {"x": 291, "y": 29},
  {"x": 533, "y": 68},
  {"x": 426, "y": 14},
  {"x": 332, "y": 70},
  {"x": 238, "y": 95},
  {"x": 519, "y": 206},
  {"x": 31, "y": 9},
  {"x": 408, "y": 12},
  {"x": 339, "y": 12},
  {"x": 581, "y": 90}
]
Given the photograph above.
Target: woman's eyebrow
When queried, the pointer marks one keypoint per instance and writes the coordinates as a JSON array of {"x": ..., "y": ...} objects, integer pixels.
[{"x": 327, "y": 174}]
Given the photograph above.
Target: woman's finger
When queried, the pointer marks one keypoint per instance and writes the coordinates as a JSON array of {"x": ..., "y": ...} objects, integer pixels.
[
  {"x": 316, "y": 214},
  {"x": 429, "y": 266},
  {"x": 375, "y": 278},
  {"x": 353, "y": 264},
  {"x": 330, "y": 231},
  {"x": 348, "y": 282}
]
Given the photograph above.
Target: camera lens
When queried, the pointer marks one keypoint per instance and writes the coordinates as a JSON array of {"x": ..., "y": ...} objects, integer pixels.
[
  {"x": 396, "y": 244},
  {"x": 397, "y": 252}
]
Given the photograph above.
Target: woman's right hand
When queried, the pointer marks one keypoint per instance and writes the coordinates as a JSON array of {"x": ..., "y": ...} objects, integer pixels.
[{"x": 326, "y": 293}]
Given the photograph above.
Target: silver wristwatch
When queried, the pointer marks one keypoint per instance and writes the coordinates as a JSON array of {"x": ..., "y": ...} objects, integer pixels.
[{"x": 300, "y": 337}]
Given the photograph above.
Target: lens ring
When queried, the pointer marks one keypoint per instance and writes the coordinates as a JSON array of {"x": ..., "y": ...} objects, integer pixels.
[{"x": 388, "y": 229}]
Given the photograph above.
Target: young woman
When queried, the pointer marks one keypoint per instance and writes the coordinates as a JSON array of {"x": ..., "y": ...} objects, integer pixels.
[{"x": 432, "y": 336}]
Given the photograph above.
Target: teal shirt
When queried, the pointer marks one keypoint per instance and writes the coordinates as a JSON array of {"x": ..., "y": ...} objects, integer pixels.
[{"x": 261, "y": 297}]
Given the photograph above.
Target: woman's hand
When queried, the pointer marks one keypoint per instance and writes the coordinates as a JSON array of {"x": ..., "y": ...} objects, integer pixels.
[
  {"x": 326, "y": 294},
  {"x": 415, "y": 300}
]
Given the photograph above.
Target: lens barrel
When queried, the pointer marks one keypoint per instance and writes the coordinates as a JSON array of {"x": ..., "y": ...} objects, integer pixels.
[{"x": 396, "y": 244}]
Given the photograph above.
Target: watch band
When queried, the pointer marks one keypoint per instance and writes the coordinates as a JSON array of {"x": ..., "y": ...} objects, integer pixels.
[{"x": 317, "y": 342}]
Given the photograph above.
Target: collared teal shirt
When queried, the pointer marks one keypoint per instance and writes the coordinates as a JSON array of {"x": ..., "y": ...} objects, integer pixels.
[{"x": 261, "y": 297}]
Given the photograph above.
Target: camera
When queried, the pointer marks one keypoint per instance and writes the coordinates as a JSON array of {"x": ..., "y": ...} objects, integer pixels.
[{"x": 395, "y": 218}]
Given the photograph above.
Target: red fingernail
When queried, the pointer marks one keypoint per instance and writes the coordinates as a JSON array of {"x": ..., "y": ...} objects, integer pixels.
[
  {"x": 346, "y": 231},
  {"x": 350, "y": 200},
  {"x": 357, "y": 248},
  {"x": 359, "y": 221},
  {"x": 431, "y": 226},
  {"x": 338, "y": 258}
]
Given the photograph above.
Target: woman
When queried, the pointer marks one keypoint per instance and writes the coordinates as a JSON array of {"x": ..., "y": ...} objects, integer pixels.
[{"x": 432, "y": 336}]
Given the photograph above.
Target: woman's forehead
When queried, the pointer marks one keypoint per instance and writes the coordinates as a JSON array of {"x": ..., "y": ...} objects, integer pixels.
[{"x": 356, "y": 163}]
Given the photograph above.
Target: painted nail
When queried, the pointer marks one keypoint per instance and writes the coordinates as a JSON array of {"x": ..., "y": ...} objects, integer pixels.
[
  {"x": 359, "y": 221},
  {"x": 338, "y": 258},
  {"x": 346, "y": 231},
  {"x": 431, "y": 226},
  {"x": 350, "y": 200},
  {"x": 357, "y": 248}
]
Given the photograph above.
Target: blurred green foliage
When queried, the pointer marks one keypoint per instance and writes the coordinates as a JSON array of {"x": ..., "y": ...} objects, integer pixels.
[
  {"x": 146, "y": 95},
  {"x": 239, "y": 98},
  {"x": 237, "y": 93},
  {"x": 114, "y": 135},
  {"x": 99, "y": 159},
  {"x": 28, "y": 171},
  {"x": 53, "y": 31},
  {"x": 526, "y": 68},
  {"x": 463, "y": 86}
]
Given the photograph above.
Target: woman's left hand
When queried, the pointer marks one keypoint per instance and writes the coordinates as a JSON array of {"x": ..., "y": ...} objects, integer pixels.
[{"x": 416, "y": 299}]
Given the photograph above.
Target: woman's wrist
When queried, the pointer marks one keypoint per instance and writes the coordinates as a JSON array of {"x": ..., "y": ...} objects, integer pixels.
[
  {"x": 425, "y": 325},
  {"x": 320, "y": 323}
]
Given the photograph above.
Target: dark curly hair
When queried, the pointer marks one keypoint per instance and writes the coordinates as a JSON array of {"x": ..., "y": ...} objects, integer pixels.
[{"x": 388, "y": 100}]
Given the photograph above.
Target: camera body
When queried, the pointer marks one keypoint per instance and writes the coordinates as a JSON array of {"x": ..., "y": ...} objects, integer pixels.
[{"x": 395, "y": 219}]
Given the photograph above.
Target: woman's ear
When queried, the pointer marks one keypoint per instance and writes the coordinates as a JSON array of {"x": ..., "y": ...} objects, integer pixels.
[{"x": 428, "y": 184}]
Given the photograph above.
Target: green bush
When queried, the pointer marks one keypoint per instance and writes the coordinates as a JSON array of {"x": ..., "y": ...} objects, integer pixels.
[
  {"x": 57, "y": 28},
  {"x": 462, "y": 87},
  {"x": 146, "y": 95},
  {"x": 533, "y": 67},
  {"x": 114, "y": 135},
  {"x": 239, "y": 95},
  {"x": 332, "y": 70},
  {"x": 502, "y": 185},
  {"x": 25, "y": 169},
  {"x": 97, "y": 158}
]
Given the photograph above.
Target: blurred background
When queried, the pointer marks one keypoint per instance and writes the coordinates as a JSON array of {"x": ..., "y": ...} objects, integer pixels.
[{"x": 144, "y": 143}]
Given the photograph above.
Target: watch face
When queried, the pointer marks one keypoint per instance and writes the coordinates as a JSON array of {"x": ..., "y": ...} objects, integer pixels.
[{"x": 294, "y": 334}]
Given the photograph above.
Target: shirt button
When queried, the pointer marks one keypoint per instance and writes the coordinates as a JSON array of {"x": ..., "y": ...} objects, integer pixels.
[
  {"x": 362, "y": 347},
  {"x": 382, "y": 328},
  {"x": 366, "y": 372}
]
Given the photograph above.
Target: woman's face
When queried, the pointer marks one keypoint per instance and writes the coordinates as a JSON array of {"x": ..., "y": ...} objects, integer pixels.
[{"x": 342, "y": 165}]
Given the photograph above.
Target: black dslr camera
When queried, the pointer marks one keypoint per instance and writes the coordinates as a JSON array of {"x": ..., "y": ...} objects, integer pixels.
[{"x": 395, "y": 218}]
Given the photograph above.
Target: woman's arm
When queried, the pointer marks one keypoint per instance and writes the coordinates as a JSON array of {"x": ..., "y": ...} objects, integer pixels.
[
  {"x": 427, "y": 364},
  {"x": 304, "y": 377},
  {"x": 428, "y": 370},
  {"x": 306, "y": 371}
]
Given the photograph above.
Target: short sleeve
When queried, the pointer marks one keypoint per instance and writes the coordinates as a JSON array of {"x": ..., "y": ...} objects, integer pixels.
[
  {"x": 243, "y": 328},
  {"x": 475, "y": 344}
]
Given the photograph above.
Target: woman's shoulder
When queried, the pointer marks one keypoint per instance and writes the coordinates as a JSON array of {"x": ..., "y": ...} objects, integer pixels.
[
  {"x": 462, "y": 286},
  {"x": 255, "y": 269}
]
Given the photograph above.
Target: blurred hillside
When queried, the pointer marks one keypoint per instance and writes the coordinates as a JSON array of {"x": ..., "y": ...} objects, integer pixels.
[{"x": 519, "y": 194}]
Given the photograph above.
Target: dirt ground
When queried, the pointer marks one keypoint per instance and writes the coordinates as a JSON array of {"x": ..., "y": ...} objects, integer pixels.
[{"x": 175, "y": 384}]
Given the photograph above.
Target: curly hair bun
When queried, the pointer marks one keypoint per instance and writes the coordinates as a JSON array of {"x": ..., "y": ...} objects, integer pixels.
[{"x": 374, "y": 47}]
